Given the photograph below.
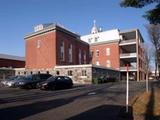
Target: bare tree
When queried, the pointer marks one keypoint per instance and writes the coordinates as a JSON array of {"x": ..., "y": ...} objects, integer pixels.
[
  {"x": 154, "y": 35},
  {"x": 149, "y": 56}
]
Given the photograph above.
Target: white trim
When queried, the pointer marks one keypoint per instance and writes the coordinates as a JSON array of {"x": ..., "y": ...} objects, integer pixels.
[{"x": 73, "y": 66}]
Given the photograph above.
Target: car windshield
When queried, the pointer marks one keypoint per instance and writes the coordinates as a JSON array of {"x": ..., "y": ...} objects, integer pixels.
[
  {"x": 12, "y": 78},
  {"x": 51, "y": 78},
  {"x": 29, "y": 77},
  {"x": 20, "y": 78}
]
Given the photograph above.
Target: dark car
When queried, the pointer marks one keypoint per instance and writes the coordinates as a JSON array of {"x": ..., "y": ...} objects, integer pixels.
[
  {"x": 56, "y": 82},
  {"x": 31, "y": 81},
  {"x": 105, "y": 79}
]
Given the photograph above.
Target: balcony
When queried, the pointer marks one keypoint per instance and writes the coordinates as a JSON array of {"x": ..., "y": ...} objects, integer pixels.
[
  {"x": 128, "y": 55},
  {"x": 127, "y": 42},
  {"x": 131, "y": 68}
]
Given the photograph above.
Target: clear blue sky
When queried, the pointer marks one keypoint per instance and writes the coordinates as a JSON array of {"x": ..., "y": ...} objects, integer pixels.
[{"x": 18, "y": 17}]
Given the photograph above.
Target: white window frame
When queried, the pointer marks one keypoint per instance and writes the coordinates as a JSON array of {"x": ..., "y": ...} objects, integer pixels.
[
  {"x": 84, "y": 57},
  {"x": 97, "y": 63},
  {"x": 97, "y": 53},
  {"x": 108, "y": 51},
  {"x": 70, "y": 54},
  {"x": 62, "y": 51},
  {"x": 80, "y": 57},
  {"x": 38, "y": 43},
  {"x": 108, "y": 63}
]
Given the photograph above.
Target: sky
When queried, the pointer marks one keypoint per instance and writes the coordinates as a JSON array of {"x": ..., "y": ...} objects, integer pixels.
[{"x": 18, "y": 18}]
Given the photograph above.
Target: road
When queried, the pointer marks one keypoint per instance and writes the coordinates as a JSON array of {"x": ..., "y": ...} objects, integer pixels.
[{"x": 95, "y": 102}]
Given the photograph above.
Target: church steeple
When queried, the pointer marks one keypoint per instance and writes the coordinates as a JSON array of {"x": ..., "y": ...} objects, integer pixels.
[{"x": 94, "y": 28}]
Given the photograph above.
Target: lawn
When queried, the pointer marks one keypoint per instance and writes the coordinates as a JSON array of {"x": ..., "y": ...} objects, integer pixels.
[{"x": 147, "y": 106}]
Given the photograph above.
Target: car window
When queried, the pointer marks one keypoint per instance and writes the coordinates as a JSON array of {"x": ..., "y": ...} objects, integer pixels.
[
  {"x": 60, "y": 78},
  {"x": 66, "y": 78},
  {"x": 37, "y": 77},
  {"x": 29, "y": 77},
  {"x": 52, "y": 78},
  {"x": 45, "y": 76}
]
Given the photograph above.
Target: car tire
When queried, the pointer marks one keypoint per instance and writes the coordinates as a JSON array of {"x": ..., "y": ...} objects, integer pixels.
[
  {"x": 53, "y": 87},
  {"x": 29, "y": 86}
]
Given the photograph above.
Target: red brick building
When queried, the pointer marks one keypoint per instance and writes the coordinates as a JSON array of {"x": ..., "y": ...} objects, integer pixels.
[
  {"x": 54, "y": 49},
  {"x": 10, "y": 61},
  {"x": 105, "y": 54},
  {"x": 104, "y": 48},
  {"x": 115, "y": 49},
  {"x": 51, "y": 45}
]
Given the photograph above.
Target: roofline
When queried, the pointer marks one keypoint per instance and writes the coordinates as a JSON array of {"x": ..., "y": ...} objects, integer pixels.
[
  {"x": 90, "y": 34},
  {"x": 129, "y": 30},
  {"x": 11, "y": 57},
  {"x": 103, "y": 42},
  {"x": 132, "y": 30},
  {"x": 51, "y": 28}
]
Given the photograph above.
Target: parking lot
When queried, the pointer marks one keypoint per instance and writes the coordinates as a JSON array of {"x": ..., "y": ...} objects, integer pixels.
[{"x": 80, "y": 102}]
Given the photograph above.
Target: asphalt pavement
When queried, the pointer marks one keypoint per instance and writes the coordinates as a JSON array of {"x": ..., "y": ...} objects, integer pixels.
[{"x": 84, "y": 102}]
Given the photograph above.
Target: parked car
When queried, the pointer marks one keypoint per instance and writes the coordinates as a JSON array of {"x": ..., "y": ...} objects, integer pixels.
[
  {"x": 31, "y": 81},
  {"x": 13, "y": 82},
  {"x": 105, "y": 79},
  {"x": 56, "y": 82},
  {"x": 9, "y": 81}
]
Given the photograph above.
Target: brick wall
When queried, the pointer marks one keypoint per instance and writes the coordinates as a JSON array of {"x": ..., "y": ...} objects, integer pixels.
[
  {"x": 41, "y": 51},
  {"x": 76, "y": 45},
  {"x": 12, "y": 63},
  {"x": 102, "y": 58}
]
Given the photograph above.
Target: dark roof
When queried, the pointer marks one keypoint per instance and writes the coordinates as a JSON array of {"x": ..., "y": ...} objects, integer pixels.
[
  {"x": 51, "y": 27},
  {"x": 11, "y": 57}
]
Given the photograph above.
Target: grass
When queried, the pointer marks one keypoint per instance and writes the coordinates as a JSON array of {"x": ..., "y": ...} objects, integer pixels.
[{"x": 147, "y": 106}]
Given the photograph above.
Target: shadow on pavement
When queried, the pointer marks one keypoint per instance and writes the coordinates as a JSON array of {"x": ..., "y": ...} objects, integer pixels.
[
  {"x": 105, "y": 112},
  {"x": 22, "y": 111},
  {"x": 19, "y": 112}
]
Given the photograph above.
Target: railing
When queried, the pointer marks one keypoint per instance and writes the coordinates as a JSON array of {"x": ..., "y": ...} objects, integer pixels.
[
  {"x": 122, "y": 55},
  {"x": 130, "y": 68},
  {"x": 127, "y": 41}
]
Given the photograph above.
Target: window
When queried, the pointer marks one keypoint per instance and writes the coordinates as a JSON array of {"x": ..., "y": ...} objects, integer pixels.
[
  {"x": 91, "y": 54},
  {"x": 97, "y": 53},
  {"x": 108, "y": 64},
  {"x": 97, "y": 63},
  {"x": 70, "y": 53},
  {"x": 57, "y": 72},
  {"x": 96, "y": 39},
  {"x": 84, "y": 57},
  {"x": 70, "y": 73},
  {"x": 62, "y": 51},
  {"x": 79, "y": 56},
  {"x": 89, "y": 40},
  {"x": 84, "y": 73},
  {"x": 107, "y": 51},
  {"x": 38, "y": 44}
]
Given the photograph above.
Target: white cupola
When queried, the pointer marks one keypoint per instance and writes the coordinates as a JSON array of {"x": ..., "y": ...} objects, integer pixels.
[{"x": 94, "y": 28}]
